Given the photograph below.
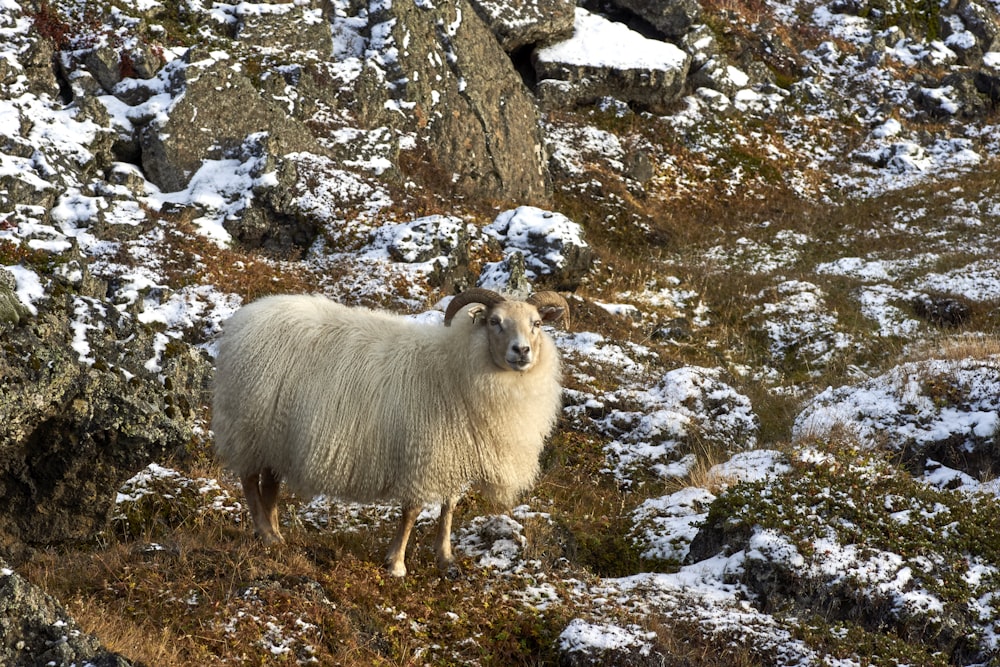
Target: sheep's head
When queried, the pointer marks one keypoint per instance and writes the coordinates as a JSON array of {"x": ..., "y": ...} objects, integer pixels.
[{"x": 514, "y": 328}]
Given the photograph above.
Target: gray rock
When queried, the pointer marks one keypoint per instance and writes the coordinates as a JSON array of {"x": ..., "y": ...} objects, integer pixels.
[
  {"x": 639, "y": 166},
  {"x": 585, "y": 68},
  {"x": 298, "y": 29},
  {"x": 552, "y": 245},
  {"x": 8, "y": 72},
  {"x": 40, "y": 69},
  {"x": 76, "y": 421},
  {"x": 443, "y": 242},
  {"x": 439, "y": 73},
  {"x": 35, "y": 630},
  {"x": 272, "y": 221},
  {"x": 987, "y": 80},
  {"x": 717, "y": 75},
  {"x": 20, "y": 189},
  {"x": 671, "y": 17},
  {"x": 701, "y": 45},
  {"x": 508, "y": 276},
  {"x": 972, "y": 103},
  {"x": 981, "y": 22},
  {"x": 228, "y": 109},
  {"x": 957, "y": 96},
  {"x": 12, "y": 311},
  {"x": 143, "y": 61},
  {"x": 520, "y": 23},
  {"x": 105, "y": 65},
  {"x": 423, "y": 239},
  {"x": 963, "y": 43}
]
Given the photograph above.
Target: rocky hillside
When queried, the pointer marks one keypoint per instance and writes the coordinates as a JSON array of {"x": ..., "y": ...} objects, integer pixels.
[{"x": 778, "y": 228}]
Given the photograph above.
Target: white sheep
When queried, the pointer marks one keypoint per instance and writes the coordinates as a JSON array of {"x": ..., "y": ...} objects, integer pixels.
[{"x": 369, "y": 406}]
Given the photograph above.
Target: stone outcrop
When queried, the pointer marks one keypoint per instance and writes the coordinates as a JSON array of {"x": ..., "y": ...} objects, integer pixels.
[
  {"x": 81, "y": 412},
  {"x": 215, "y": 108},
  {"x": 439, "y": 73},
  {"x": 671, "y": 17},
  {"x": 291, "y": 79},
  {"x": 982, "y": 24},
  {"x": 35, "y": 630}
]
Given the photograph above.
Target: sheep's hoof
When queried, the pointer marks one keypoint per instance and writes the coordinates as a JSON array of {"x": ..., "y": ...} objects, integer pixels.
[
  {"x": 270, "y": 539},
  {"x": 450, "y": 570},
  {"x": 396, "y": 569}
]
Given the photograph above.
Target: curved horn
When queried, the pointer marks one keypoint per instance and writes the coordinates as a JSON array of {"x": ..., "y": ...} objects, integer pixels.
[
  {"x": 549, "y": 298},
  {"x": 472, "y": 295}
]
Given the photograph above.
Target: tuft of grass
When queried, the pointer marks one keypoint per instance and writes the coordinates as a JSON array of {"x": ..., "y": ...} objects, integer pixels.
[{"x": 970, "y": 345}]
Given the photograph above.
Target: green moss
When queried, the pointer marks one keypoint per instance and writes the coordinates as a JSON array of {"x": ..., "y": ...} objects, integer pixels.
[
  {"x": 918, "y": 18},
  {"x": 600, "y": 546},
  {"x": 846, "y": 641}
]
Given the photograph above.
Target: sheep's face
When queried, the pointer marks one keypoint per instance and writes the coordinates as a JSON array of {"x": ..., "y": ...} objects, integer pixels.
[{"x": 515, "y": 333}]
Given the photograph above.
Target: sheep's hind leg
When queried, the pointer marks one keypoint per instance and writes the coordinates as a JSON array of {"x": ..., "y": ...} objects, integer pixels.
[
  {"x": 261, "y": 491},
  {"x": 270, "y": 484},
  {"x": 445, "y": 559},
  {"x": 395, "y": 561}
]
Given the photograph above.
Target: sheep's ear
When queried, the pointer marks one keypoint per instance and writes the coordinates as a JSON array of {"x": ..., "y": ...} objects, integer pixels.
[
  {"x": 477, "y": 312},
  {"x": 551, "y": 313}
]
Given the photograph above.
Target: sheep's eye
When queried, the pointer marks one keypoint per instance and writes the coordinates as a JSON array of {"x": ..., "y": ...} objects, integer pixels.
[
  {"x": 536, "y": 324},
  {"x": 495, "y": 321}
]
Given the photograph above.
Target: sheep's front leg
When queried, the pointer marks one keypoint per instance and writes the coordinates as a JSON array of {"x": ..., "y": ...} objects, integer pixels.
[
  {"x": 397, "y": 550},
  {"x": 445, "y": 559}
]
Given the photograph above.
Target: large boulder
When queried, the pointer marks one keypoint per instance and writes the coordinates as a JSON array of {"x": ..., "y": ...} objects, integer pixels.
[
  {"x": 214, "y": 108},
  {"x": 519, "y": 23},
  {"x": 291, "y": 27},
  {"x": 982, "y": 22},
  {"x": 607, "y": 59},
  {"x": 437, "y": 71},
  {"x": 81, "y": 411},
  {"x": 671, "y": 17}
]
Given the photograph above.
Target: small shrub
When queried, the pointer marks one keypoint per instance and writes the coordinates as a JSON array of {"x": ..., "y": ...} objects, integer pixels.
[
  {"x": 51, "y": 24},
  {"x": 158, "y": 500}
]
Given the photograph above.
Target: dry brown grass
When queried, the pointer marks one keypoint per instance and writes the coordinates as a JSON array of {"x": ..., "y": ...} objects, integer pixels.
[
  {"x": 121, "y": 634},
  {"x": 956, "y": 347},
  {"x": 249, "y": 274}
]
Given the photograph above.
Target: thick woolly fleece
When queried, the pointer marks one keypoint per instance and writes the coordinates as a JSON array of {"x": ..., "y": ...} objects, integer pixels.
[{"x": 368, "y": 406}]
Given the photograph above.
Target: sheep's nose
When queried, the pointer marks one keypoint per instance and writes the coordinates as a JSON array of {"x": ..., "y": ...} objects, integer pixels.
[{"x": 521, "y": 350}]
